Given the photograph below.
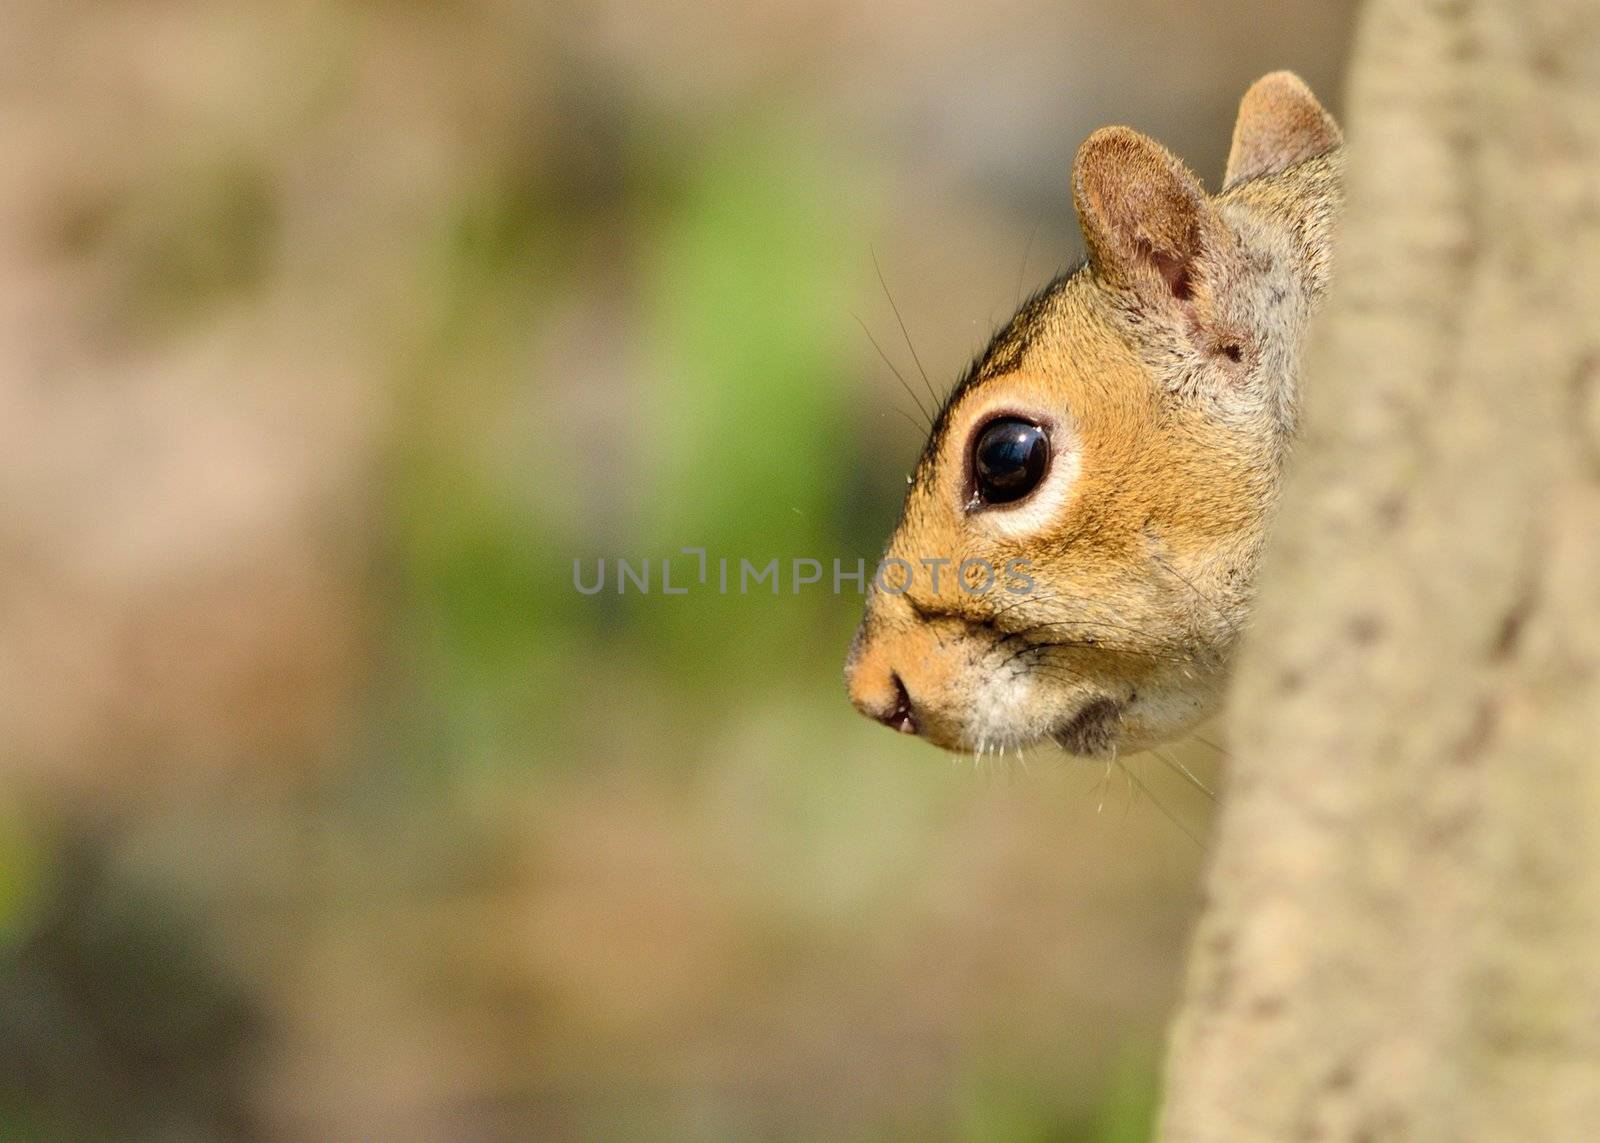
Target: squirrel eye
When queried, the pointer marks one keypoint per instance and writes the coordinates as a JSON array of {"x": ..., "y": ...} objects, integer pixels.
[{"x": 1009, "y": 459}]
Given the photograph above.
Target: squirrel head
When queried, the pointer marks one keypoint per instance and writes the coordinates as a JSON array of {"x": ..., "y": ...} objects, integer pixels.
[{"x": 1076, "y": 556}]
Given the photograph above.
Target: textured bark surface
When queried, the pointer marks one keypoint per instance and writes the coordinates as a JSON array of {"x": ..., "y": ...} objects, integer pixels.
[{"x": 1403, "y": 934}]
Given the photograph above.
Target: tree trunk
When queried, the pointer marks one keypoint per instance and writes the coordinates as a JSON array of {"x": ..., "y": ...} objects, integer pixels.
[{"x": 1402, "y": 939}]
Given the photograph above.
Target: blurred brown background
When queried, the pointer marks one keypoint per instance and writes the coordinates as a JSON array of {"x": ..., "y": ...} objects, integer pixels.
[{"x": 333, "y": 333}]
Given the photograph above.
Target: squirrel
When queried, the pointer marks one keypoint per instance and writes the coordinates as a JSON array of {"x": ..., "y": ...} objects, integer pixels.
[{"x": 1107, "y": 469}]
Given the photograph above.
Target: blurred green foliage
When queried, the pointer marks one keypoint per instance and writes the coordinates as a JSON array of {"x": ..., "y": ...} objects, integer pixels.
[
  {"x": 744, "y": 401},
  {"x": 23, "y": 867},
  {"x": 745, "y": 302},
  {"x": 1023, "y": 1102}
]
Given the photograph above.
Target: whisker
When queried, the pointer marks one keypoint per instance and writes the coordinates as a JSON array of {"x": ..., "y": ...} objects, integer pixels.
[
  {"x": 1166, "y": 813},
  {"x": 912, "y": 421},
  {"x": 1202, "y": 596},
  {"x": 1106, "y": 624},
  {"x": 1022, "y": 271},
  {"x": 903, "y": 332},
  {"x": 1096, "y": 644},
  {"x": 898, "y": 376},
  {"x": 1056, "y": 670},
  {"x": 1027, "y": 597},
  {"x": 1179, "y": 768},
  {"x": 1059, "y": 672},
  {"x": 1060, "y": 646}
]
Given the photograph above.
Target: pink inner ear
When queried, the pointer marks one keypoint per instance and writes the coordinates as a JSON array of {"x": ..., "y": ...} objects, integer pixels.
[{"x": 1174, "y": 272}]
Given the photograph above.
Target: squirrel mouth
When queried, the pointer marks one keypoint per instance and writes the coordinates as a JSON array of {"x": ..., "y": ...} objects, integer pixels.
[{"x": 1092, "y": 731}]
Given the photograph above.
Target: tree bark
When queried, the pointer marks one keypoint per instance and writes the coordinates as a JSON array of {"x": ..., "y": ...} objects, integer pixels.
[{"x": 1402, "y": 937}]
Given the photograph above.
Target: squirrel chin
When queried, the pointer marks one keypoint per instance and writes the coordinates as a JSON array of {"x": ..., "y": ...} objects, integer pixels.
[{"x": 1092, "y": 732}]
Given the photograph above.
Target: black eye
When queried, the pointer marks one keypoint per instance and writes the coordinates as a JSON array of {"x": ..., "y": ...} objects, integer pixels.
[{"x": 1009, "y": 459}]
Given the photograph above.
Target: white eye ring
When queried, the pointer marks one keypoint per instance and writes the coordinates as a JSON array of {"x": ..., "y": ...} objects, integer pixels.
[{"x": 1042, "y": 506}]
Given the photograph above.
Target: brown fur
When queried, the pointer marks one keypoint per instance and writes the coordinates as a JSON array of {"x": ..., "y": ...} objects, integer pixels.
[
  {"x": 1280, "y": 124},
  {"x": 1165, "y": 372}
]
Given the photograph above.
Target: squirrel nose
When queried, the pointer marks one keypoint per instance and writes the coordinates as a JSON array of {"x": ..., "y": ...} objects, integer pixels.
[
  {"x": 899, "y": 716},
  {"x": 879, "y": 693}
]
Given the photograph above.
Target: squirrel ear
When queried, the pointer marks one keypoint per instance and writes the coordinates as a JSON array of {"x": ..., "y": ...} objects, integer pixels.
[
  {"x": 1145, "y": 217},
  {"x": 1280, "y": 124}
]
